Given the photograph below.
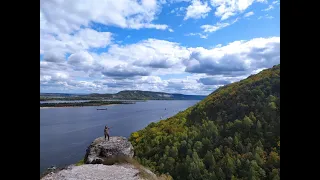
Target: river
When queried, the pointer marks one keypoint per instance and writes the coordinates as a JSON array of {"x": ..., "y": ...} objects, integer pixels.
[{"x": 65, "y": 133}]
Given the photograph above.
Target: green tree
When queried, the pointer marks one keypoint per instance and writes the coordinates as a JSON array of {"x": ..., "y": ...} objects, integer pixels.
[
  {"x": 274, "y": 175},
  {"x": 209, "y": 160}
]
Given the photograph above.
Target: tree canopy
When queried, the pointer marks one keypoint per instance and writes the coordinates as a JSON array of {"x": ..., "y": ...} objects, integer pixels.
[{"x": 234, "y": 133}]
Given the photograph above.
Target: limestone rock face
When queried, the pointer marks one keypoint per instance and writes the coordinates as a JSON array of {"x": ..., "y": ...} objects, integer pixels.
[
  {"x": 95, "y": 172},
  {"x": 101, "y": 149}
]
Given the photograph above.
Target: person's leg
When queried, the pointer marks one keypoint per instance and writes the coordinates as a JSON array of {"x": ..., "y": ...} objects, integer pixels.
[
  {"x": 108, "y": 137},
  {"x": 105, "y": 136}
]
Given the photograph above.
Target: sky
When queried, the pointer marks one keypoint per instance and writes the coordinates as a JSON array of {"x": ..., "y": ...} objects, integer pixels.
[{"x": 174, "y": 46}]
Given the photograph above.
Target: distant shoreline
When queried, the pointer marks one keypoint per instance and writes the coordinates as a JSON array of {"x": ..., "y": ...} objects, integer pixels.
[
  {"x": 76, "y": 106},
  {"x": 82, "y": 104}
]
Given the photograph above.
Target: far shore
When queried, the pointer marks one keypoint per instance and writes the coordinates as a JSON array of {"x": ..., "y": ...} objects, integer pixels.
[
  {"x": 77, "y": 106},
  {"x": 83, "y": 104}
]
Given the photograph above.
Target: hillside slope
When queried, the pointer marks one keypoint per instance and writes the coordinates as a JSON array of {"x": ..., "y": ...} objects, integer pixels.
[
  {"x": 234, "y": 133},
  {"x": 149, "y": 95}
]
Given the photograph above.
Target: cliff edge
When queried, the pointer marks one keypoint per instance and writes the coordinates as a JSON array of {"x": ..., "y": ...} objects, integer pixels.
[
  {"x": 101, "y": 149},
  {"x": 107, "y": 160}
]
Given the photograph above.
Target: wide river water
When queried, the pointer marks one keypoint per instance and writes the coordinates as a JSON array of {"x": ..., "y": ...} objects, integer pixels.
[{"x": 65, "y": 133}]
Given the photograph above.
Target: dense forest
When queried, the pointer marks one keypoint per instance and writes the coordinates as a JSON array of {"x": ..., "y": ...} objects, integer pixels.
[
  {"x": 234, "y": 133},
  {"x": 122, "y": 95}
]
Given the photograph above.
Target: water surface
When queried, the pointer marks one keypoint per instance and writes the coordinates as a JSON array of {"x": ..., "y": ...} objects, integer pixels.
[{"x": 65, "y": 133}]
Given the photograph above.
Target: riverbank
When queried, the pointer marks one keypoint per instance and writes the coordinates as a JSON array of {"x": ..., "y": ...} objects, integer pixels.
[
  {"x": 83, "y": 104},
  {"x": 76, "y": 106}
]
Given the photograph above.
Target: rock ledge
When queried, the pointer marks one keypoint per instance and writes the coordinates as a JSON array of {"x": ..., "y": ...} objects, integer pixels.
[{"x": 101, "y": 149}]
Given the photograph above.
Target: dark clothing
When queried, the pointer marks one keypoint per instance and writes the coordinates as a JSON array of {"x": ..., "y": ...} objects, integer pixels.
[
  {"x": 105, "y": 136},
  {"x": 106, "y": 133}
]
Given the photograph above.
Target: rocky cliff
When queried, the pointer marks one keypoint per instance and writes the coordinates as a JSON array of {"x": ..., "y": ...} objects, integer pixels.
[
  {"x": 101, "y": 149},
  {"x": 117, "y": 153}
]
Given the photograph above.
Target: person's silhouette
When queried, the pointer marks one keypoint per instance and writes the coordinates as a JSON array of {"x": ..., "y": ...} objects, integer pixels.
[{"x": 106, "y": 132}]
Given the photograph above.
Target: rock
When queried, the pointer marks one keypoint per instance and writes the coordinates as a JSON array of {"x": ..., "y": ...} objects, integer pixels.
[
  {"x": 98, "y": 151},
  {"x": 101, "y": 149},
  {"x": 96, "y": 172},
  {"x": 52, "y": 168}
]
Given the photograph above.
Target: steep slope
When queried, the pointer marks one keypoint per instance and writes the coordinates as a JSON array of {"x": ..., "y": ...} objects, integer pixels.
[{"x": 234, "y": 133}]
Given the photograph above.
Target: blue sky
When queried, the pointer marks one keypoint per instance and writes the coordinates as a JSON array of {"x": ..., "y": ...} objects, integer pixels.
[{"x": 177, "y": 46}]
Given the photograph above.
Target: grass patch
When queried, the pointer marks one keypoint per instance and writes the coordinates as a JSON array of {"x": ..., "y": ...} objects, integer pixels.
[{"x": 81, "y": 162}]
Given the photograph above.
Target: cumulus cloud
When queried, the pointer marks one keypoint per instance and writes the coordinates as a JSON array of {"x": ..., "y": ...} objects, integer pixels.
[
  {"x": 152, "y": 53},
  {"x": 68, "y": 16},
  {"x": 54, "y": 56},
  {"x": 197, "y": 10},
  {"x": 83, "y": 39},
  {"x": 228, "y": 8},
  {"x": 158, "y": 63},
  {"x": 80, "y": 53},
  {"x": 236, "y": 58},
  {"x": 81, "y": 61},
  {"x": 125, "y": 71},
  {"x": 141, "y": 66}
]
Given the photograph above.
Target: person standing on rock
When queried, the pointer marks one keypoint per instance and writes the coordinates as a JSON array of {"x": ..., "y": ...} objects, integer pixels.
[{"x": 106, "y": 132}]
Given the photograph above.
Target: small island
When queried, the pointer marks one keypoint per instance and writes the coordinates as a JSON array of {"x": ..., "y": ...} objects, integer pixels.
[{"x": 81, "y": 104}]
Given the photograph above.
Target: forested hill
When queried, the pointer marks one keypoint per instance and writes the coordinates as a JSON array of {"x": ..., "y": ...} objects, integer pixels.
[
  {"x": 234, "y": 133},
  {"x": 150, "y": 95},
  {"x": 122, "y": 95}
]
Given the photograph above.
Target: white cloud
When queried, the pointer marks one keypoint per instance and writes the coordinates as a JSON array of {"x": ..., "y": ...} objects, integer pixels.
[
  {"x": 236, "y": 58},
  {"x": 213, "y": 28},
  {"x": 217, "y": 26},
  {"x": 70, "y": 63},
  {"x": 276, "y": 2},
  {"x": 249, "y": 14},
  {"x": 197, "y": 10},
  {"x": 82, "y": 40},
  {"x": 203, "y": 36},
  {"x": 58, "y": 16},
  {"x": 228, "y": 8},
  {"x": 267, "y": 16},
  {"x": 140, "y": 65},
  {"x": 268, "y": 8},
  {"x": 150, "y": 53},
  {"x": 178, "y": 11},
  {"x": 54, "y": 56},
  {"x": 178, "y": 1},
  {"x": 81, "y": 61}
]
